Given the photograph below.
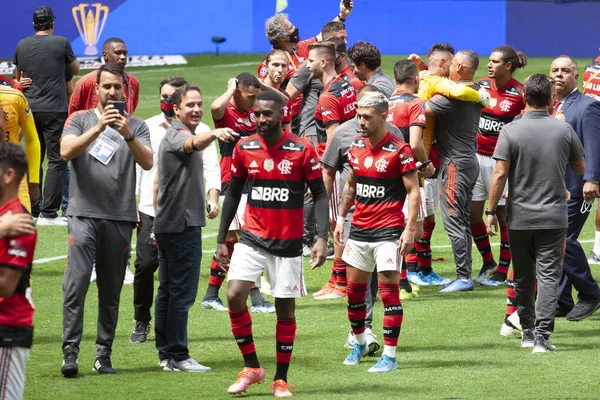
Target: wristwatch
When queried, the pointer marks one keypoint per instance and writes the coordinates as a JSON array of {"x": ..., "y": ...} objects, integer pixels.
[{"x": 487, "y": 212}]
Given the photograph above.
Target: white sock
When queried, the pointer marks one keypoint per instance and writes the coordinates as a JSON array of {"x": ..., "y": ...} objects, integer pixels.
[
  {"x": 389, "y": 351},
  {"x": 597, "y": 243},
  {"x": 360, "y": 338}
]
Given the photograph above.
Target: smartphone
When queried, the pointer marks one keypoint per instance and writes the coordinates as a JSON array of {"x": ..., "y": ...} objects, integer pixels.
[
  {"x": 424, "y": 165},
  {"x": 119, "y": 105},
  {"x": 347, "y": 4}
]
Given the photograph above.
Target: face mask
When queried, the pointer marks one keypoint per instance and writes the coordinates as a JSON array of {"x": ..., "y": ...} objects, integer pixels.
[
  {"x": 166, "y": 106},
  {"x": 338, "y": 61},
  {"x": 295, "y": 36}
]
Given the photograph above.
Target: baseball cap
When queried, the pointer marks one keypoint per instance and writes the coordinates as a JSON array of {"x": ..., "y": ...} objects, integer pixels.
[{"x": 43, "y": 15}]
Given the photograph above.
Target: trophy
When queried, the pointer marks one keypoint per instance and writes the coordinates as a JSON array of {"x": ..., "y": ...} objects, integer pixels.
[{"x": 90, "y": 24}]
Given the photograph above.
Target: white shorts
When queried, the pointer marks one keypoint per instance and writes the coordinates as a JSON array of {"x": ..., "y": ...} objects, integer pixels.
[
  {"x": 421, "y": 212},
  {"x": 12, "y": 371},
  {"x": 431, "y": 187},
  {"x": 238, "y": 220},
  {"x": 368, "y": 255},
  {"x": 481, "y": 192},
  {"x": 285, "y": 274}
]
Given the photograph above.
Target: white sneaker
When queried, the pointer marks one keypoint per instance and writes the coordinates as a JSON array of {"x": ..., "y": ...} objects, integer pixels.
[
  {"x": 128, "y": 276},
  {"x": 514, "y": 320},
  {"x": 594, "y": 258},
  {"x": 508, "y": 330},
  {"x": 265, "y": 286},
  {"x": 93, "y": 276},
  {"x": 56, "y": 221},
  {"x": 189, "y": 365},
  {"x": 350, "y": 341},
  {"x": 372, "y": 342}
]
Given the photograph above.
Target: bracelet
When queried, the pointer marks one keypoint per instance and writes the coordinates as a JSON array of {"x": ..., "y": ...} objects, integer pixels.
[
  {"x": 194, "y": 146},
  {"x": 341, "y": 18},
  {"x": 340, "y": 219},
  {"x": 130, "y": 138}
]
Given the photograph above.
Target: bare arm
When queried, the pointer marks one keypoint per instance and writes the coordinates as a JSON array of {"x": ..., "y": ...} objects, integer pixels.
[
  {"x": 578, "y": 166},
  {"x": 293, "y": 91},
  {"x": 74, "y": 67},
  {"x": 416, "y": 143},
  {"x": 9, "y": 279},
  {"x": 201, "y": 141},
  {"x": 497, "y": 185},
  {"x": 217, "y": 108},
  {"x": 72, "y": 146},
  {"x": 348, "y": 196},
  {"x": 155, "y": 191},
  {"x": 407, "y": 238},
  {"x": 330, "y": 130}
]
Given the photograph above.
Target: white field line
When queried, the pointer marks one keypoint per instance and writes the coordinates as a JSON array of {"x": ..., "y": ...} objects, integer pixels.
[
  {"x": 213, "y": 234},
  {"x": 183, "y": 68}
]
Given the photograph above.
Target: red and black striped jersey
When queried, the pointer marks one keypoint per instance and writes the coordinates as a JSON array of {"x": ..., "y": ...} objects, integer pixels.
[
  {"x": 505, "y": 103},
  {"x": 337, "y": 104},
  {"x": 16, "y": 311},
  {"x": 406, "y": 110},
  {"x": 351, "y": 78},
  {"x": 591, "y": 79},
  {"x": 6, "y": 81},
  {"x": 276, "y": 177},
  {"x": 240, "y": 122},
  {"x": 380, "y": 191}
]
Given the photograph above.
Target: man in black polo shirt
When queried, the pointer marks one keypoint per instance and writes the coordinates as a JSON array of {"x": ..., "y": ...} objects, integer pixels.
[{"x": 179, "y": 217}]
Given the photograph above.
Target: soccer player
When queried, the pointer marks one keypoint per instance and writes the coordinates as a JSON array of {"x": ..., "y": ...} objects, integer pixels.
[
  {"x": 146, "y": 251},
  {"x": 506, "y": 102},
  {"x": 114, "y": 51},
  {"x": 406, "y": 111},
  {"x": 277, "y": 69},
  {"x": 383, "y": 172},
  {"x": 16, "y": 257},
  {"x": 276, "y": 165},
  {"x": 17, "y": 114},
  {"x": 233, "y": 109},
  {"x": 366, "y": 63}
]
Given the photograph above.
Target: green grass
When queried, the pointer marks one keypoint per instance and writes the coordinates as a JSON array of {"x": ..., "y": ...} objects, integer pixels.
[{"x": 450, "y": 345}]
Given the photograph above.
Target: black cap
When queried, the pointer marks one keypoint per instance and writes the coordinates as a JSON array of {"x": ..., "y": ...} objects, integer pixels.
[{"x": 43, "y": 15}]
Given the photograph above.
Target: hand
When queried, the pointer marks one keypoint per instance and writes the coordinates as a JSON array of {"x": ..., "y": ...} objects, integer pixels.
[
  {"x": 426, "y": 172},
  {"x": 568, "y": 195},
  {"x": 122, "y": 125},
  {"x": 212, "y": 209},
  {"x": 34, "y": 192},
  {"x": 338, "y": 234},
  {"x": 25, "y": 82},
  {"x": 108, "y": 118},
  {"x": 232, "y": 84},
  {"x": 317, "y": 256},
  {"x": 344, "y": 12},
  {"x": 16, "y": 225},
  {"x": 222, "y": 256},
  {"x": 406, "y": 242},
  {"x": 417, "y": 59},
  {"x": 484, "y": 98},
  {"x": 424, "y": 73},
  {"x": 590, "y": 191},
  {"x": 332, "y": 224},
  {"x": 492, "y": 225},
  {"x": 225, "y": 134}
]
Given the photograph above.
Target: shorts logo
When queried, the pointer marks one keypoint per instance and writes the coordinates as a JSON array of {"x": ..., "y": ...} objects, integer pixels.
[
  {"x": 381, "y": 165},
  {"x": 295, "y": 288},
  {"x": 268, "y": 165},
  {"x": 390, "y": 261},
  {"x": 285, "y": 167},
  {"x": 368, "y": 162}
]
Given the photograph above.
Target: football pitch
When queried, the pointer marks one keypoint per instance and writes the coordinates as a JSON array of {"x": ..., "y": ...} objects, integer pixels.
[{"x": 450, "y": 345}]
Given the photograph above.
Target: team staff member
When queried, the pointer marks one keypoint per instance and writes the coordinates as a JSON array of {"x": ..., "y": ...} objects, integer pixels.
[
  {"x": 233, "y": 109},
  {"x": 103, "y": 147},
  {"x": 40, "y": 64},
  {"x": 366, "y": 63},
  {"x": 383, "y": 174},
  {"x": 456, "y": 130},
  {"x": 16, "y": 114},
  {"x": 506, "y": 102},
  {"x": 179, "y": 218},
  {"x": 537, "y": 217},
  {"x": 276, "y": 164},
  {"x": 146, "y": 259},
  {"x": 583, "y": 114},
  {"x": 114, "y": 51},
  {"x": 16, "y": 258}
]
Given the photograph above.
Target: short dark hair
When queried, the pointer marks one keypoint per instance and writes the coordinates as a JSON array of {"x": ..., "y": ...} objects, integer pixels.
[
  {"x": 538, "y": 90},
  {"x": 112, "y": 40},
  {"x": 405, "y": 71},
  {"x": 332, "y": 27},
  {"x": 246, "y": 80},
  {"x": 365, "y": 52},
  {"x": 175, "y": 81},
  {"x": 114, "y": 69},
  {"x": 441, "y": 47},
  {"x": 340, "y": 45},
  {"x": 43, "y": 18},
  {"x": 182, "y": 91},
  {"x": 13, "y": 156},
  {"x": 517, "y": 59},
  {"x": 471, "y": 58},
  {"x": 269, "y": 95},
  {"x": 325, "y": 50},
  {"x": 368, "y": 89}
]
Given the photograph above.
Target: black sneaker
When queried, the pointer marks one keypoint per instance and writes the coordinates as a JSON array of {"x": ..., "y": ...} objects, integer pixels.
[
  {"x": 70, "y": 365},
  {"x": 140, "y": 332},
  {"x": 583, "y": 309},
  {"x": 103, "y": 365}
]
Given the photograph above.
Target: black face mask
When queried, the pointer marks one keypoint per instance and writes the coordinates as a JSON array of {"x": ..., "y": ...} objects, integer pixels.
[
  {"x": 166, "y": 106},
  {"x": 295, "y": 36},
  {"x": 338, "y": 61}
]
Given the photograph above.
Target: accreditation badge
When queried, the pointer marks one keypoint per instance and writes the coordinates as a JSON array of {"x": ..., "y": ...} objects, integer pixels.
[{"x": 103, "y": 149}]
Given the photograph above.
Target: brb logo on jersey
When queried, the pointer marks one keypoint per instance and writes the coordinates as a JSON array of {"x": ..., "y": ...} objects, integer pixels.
[
  {"x": 370, "y": 191},
  {"x": 285, "y": 167},
  {"x": 261, "y": 193}
]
